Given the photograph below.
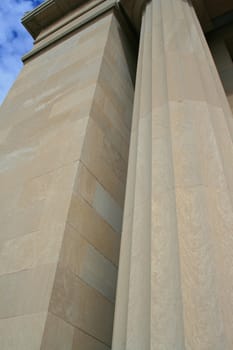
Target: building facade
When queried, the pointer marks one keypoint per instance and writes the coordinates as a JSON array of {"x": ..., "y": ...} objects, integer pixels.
[{"x": 116, "y": 179}]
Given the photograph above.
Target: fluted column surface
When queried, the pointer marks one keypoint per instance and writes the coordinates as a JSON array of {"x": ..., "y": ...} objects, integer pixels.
[{"x": 175, "y": 285}]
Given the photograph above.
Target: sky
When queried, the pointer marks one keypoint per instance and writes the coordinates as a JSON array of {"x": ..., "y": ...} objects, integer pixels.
[{"x": 15, "y": 41}]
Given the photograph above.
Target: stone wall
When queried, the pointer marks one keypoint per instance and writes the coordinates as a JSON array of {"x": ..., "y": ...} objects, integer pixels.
[{"x": 65, "y": 129}]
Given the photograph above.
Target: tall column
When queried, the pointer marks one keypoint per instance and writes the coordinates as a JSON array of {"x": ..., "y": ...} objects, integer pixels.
[{"x": 175, "y": 284}]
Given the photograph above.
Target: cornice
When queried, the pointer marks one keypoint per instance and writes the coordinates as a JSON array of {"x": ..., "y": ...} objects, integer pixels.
[
  {"x": 64, "y": 26},
  {"x": 55, "y": 19},
  {"x": 52, "y": 11}
]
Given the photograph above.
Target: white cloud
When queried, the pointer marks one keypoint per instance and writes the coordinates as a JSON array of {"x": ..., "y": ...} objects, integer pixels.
[{"x": 14, "y": 40}]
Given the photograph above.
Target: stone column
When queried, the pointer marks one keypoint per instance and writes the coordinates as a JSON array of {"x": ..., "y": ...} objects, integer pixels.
[{"x": 175, "y": 284}]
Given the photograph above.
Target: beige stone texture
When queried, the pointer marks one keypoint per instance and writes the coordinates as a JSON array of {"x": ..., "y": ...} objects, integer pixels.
[
  {"x": 81, "y": 305},
  {"x": 22, "y": 332},
  {"x": 58, "y": 335},
  {"x": 83, "y": 341},
  {"x": 64, "y": 140},
  {"x": 26, "y": 292},
  {"x": 175, "y": 272},
  {"x": 96, "y": 231},
  {"x": 85, "y": 261},
  {"x": 85, "y": 282}
]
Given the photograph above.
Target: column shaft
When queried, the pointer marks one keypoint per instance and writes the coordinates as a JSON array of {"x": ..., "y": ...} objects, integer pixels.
[{"x": 175, "y": 284}]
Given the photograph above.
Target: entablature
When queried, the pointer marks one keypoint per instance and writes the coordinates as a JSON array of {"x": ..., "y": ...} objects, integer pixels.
[{"x": 49, "y": 21}]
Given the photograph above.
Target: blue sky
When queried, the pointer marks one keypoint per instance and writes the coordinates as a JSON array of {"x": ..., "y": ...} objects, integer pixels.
[{"x": 14, "y": 40}]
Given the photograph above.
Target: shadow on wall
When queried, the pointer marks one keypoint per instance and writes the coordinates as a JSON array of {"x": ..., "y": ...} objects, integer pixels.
[
  {"x": 133, "y": 37},
  {"x": 221, "y": 46}
]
